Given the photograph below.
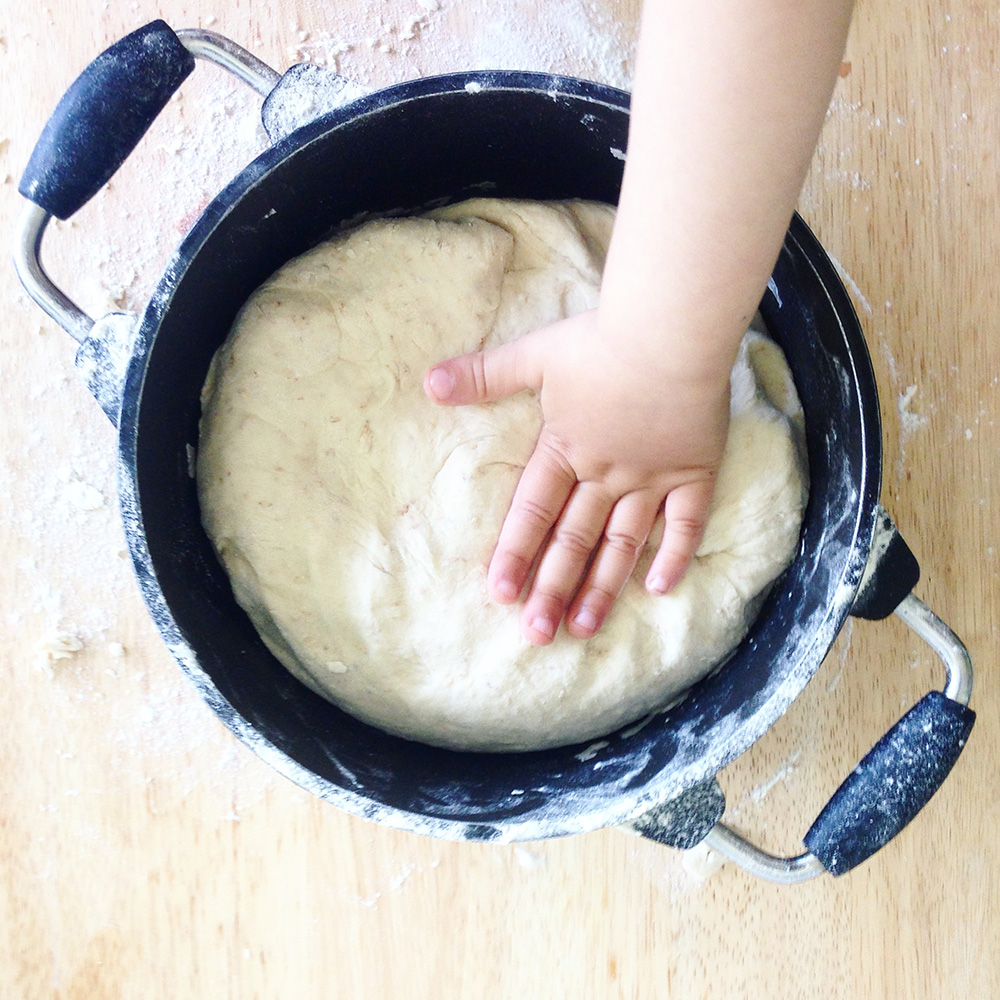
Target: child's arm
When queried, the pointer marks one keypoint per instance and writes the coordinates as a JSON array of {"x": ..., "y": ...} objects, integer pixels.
[{"x": 729, "y": 97}]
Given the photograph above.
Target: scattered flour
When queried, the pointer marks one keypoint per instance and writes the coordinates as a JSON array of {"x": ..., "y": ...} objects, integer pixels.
[
  {"x": 394, "y": 882},
  {"x": 701, "y": 861},
  {"x": 842, "y": 648},
  {"x": 58, "y": 645},
  {"x": 759, "y": 793},
  {"x": 528, "y": 859},
  {"x": 82, "y": 495},
  {"x": 846, "y": 278},
  {"x": 909, "y": 422}
]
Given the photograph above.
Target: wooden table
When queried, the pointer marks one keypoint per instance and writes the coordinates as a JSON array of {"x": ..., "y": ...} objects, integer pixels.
[{"x": 145, "y": 853}]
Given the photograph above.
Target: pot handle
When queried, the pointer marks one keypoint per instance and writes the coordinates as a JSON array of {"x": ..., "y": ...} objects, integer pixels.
[
  {"x": 102, "y": 117},
  {"x": 904, "y": 769},
  {"x": 96, "y": 125},
  {"x": 893, "y": 782}
]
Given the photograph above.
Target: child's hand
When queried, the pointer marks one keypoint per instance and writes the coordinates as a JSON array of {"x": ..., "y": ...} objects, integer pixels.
[{"x": 624, "y": 438}]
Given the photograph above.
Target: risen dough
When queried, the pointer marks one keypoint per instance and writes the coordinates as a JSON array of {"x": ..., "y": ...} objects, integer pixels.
[{"x": 356, "y": 519}]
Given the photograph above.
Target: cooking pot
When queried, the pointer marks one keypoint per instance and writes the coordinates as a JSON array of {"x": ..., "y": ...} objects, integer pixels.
[{"x": 339, "y": 156}]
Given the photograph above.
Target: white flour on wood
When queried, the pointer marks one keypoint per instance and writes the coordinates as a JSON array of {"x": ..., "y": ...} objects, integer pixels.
[{"x": 356, "y": 519}]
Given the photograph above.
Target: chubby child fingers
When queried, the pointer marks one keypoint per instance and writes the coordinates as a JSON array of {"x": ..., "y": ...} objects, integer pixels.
[
  {"x": 625, "y": 536},
  {"x": 569, "y": 549},
  {"x": 542, "y": 491},
  {"x": 483, "y": 376},
  {"x": 685, "y": 514}
]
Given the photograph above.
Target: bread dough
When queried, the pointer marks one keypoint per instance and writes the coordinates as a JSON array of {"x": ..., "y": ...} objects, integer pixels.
[{"x": 356, "y": 519}]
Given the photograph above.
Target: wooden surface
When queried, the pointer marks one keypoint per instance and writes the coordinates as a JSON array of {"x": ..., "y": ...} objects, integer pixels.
[{"x": 144, "y": 853}]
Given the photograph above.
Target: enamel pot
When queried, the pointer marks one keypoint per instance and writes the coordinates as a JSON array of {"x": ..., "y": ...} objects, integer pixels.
[{"x": 339, "y": 156}]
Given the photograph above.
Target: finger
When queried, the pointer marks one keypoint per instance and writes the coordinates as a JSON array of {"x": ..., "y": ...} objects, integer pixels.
[
  {"x": 685, "y": 514},
  {"x": 624, "y": 539},
  {"x": 483, "y": 376},
  {"x": 541, "y": 494},
  {"x": 577, "y": 533}
]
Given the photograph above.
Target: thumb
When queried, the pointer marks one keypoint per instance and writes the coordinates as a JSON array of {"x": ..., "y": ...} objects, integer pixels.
[{"x": 483, "y": 376}]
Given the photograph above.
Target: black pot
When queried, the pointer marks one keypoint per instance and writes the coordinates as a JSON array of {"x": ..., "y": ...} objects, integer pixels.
[{"x": 399, "y": 151}]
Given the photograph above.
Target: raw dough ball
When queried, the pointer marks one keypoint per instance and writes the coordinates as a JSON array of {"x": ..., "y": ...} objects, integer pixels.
[{"x": 356, "y": 519}]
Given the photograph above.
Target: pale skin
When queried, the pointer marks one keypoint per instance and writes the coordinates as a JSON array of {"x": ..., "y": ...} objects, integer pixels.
[{"x": 728, "y": 101}]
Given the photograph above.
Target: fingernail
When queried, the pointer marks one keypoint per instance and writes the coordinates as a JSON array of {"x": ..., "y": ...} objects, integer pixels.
[
  {"x": 441, "y": 382},
  {"x": 587, "y": 620},
  {"x": 506, "y": 591},
  {"x": 544, "y": 626},
  {"x": 663, "y": 583}
]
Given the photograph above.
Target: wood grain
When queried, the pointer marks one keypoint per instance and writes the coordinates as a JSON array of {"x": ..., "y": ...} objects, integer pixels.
[{"x": 144, "y": 853}]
